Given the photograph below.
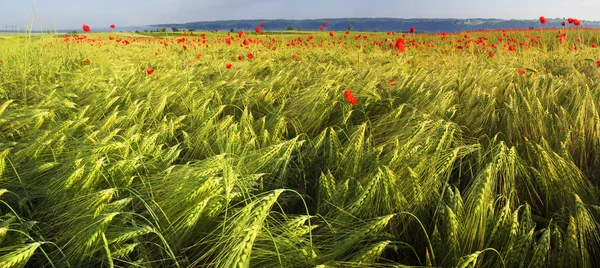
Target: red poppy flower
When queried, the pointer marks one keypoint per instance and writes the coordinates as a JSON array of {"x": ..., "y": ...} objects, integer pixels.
[
  {"x": 412, "y": 29},
  {"x": 112, "y": 26},
  {"x": 240, "y": 33},
  {"x": 217, "y": 30},
  {"x": 262, "y": 25},
  {"x": 240, "y": 57},
  {"x": 563, "y": 24},
  {"x": 321, "y": 28},
  {"x": 325, "y": 24},
  {"x": 250, "y": 56},
  {"x": 520, "y": 71},
  {"x": 543, "y": 20},
  {"x": 594, "y": 46},
  {"x": 576, "y": 22},
  {"x": 400, "y": 44},
  {"x": 350, "y": 97},
  {"x": 598, "y": 63},
  {"x": 184, "y": 47},
  {"x": 246, "y": 42},
  {"x": 149, "y": 70},
  {"x": 86, "y": 60},
  {"x": 491, "y": 54},
  {"x": 229, "y": 65},
  {"x": 331, "y": 33},
  {"x": 570, "y": 20},
  {"x": 86, "y": 28},
  {"x": 257, "y": 29}
]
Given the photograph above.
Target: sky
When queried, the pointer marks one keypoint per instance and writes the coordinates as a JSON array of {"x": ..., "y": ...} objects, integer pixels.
[{"x": 68, "y": 14}]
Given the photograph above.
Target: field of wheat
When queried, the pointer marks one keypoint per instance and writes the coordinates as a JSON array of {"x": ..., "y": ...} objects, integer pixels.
[{"x": 300, "y": 149}]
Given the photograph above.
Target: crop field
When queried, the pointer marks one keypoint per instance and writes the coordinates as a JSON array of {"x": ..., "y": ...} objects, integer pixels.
[{"x": 300, "y": 149}]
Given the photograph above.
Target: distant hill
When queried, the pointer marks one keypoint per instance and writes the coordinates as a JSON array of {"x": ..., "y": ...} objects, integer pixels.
[{"x": 374, "y": 24}]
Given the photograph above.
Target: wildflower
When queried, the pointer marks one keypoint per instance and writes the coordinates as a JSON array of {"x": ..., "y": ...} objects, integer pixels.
[
  {"x": 112, "y": 26},
  {"x": 520, "y": 71},
  {"x": 400, "y": 44},
  {"x": 597, "y": 63},
  {"x": 229, "y": 65},
  {"x": 250, "y": 56},
  {"x": 412, "y": 29},
  {"x": 240, "y": 57},
  {"x": 543, "y": 20},
  {"x": 149, "y": 70},
  {"x": 86, "y": 28},
  {"x": 491, "y": 54},
  {"x": 350, "y": 97}
]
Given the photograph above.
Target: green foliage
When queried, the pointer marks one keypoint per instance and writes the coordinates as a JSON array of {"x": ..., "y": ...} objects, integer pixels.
[{"x": 457, "y": 162}]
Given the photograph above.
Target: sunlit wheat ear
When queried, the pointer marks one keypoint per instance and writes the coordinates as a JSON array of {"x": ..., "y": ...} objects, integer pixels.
[
  {"x": 327, "y": 188},
  {"x": 521, "y": 249},
  {"x": 453, "y": 234},
  {"x": 502, "y": 225},
  {"x": 573, "y": 254},
  {"x": 243, "y": 229},
  {"x": 541, "y": 251},
  {"x": 354, "y": 237},
  {"x": 587, "y": 232},
  {"x": 3, "y": 156},
  {"x": 17, "y": 256},
  {"x": 371, "y": 254},
  {"x": 479, "y": 202},
  {"x": 469, "y": 260},
  {"x": 368, "y": 194}
]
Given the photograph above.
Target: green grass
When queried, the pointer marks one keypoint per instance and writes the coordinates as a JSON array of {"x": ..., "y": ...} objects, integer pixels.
[{"x": 459, "y": 161}]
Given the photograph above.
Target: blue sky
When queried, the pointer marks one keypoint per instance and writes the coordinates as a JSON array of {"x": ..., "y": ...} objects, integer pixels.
[{"x": 96, "y": 13}]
